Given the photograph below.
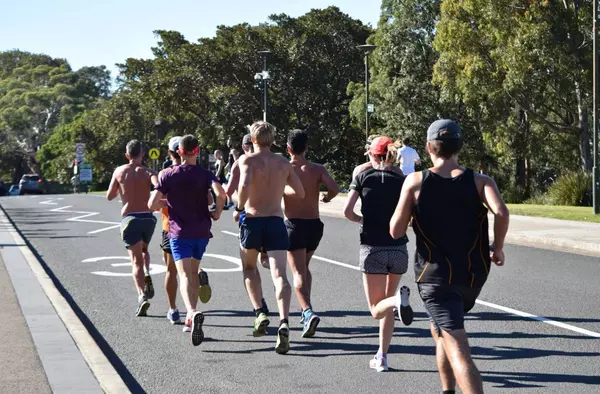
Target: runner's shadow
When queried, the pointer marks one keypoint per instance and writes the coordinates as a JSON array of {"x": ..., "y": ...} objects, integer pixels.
[
  {"x": 513, "y": 353},
  {"x": 527, "y": 379},
  {"x": 502, "y": 316}
]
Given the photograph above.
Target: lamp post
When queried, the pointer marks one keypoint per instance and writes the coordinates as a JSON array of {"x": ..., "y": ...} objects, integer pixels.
[
  {"x": 264, "y": 77},
  {"x": 596, "y": 71},
  {"x": 367, "y": 49}
]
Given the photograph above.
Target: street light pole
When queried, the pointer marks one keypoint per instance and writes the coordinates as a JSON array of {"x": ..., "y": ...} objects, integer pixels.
[
  {"x": 367, "y": 49},
  {"x": 265, "y": 80},
  {"x": 596, "y": 71}
]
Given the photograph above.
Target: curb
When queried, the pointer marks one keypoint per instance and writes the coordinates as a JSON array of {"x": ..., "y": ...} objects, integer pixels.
[{"x": 108, "y": 378}]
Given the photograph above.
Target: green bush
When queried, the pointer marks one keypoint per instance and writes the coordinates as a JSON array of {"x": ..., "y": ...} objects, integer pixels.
[
  {"x": 513, "y": 194},
  {"x": 574, "y": 188}
]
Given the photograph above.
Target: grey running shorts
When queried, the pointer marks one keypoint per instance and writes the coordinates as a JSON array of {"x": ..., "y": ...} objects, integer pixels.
[
  {"x": 383, "y": 259},
  {"x": 447, "y": 305},
  {"x": 165, "y": 243},
  {"x": 137, "y": 227}
]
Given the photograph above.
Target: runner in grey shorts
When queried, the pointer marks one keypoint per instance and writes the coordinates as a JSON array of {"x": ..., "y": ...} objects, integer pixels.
[{"x": 383, "y": 259}]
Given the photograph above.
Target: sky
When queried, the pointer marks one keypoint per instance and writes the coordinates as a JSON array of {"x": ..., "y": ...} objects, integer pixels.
[{"x": 94, "y": 32}]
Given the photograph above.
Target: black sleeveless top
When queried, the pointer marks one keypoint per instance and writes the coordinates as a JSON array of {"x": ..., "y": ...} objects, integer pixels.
[{"x": 451, "y": 226}]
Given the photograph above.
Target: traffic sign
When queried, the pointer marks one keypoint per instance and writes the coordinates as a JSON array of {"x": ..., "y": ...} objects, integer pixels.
[
  {"x": 80, "y": 152},
  {"x": 85, "y": 172},
  {"x": 154, "y": 154},
  {"x": 371, "y": 107}
]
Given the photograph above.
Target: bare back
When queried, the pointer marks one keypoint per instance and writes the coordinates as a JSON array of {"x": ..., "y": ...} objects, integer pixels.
[
  {"x": 134, "y": 186},
  {"x": 310, "y": 174},
  {"x": 268, "y": 174}
]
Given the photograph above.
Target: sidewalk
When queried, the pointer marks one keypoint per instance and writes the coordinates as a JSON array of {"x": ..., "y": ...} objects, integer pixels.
[
  {"x": 553, "y": 234},
  {"x": 38, "y": 353}
]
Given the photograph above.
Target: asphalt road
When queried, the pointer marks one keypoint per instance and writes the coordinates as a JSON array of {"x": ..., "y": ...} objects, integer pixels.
[{"x": 514, "y": 353}]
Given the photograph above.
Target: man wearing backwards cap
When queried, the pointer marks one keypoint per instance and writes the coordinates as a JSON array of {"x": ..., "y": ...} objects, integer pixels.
[
  {"x": 171, "y": 276},
  {"x": 447, "y": 204},
  {"x": 186, "y": 189}
]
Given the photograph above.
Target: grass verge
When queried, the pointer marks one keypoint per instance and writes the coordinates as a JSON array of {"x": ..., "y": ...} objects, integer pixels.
[{"x": 579, "y": 214}]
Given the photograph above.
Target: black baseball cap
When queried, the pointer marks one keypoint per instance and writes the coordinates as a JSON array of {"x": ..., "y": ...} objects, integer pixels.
[
  {"x": 443, "y": 130},
  {"x": 247, "y": 140}
]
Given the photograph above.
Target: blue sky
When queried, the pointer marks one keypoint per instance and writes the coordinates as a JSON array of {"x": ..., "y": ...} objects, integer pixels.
[{"x": 93, "y": 32}]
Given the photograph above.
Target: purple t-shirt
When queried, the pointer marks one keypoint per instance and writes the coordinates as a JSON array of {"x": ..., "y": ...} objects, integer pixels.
[{"x": 186, "y": 188}]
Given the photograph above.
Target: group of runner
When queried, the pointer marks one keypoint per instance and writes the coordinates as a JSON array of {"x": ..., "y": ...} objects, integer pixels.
[{"x": 446, "y": 204}]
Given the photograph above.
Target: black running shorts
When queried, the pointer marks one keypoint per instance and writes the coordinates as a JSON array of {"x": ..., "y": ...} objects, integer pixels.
[
  {"x": 304, "y": 233},
  {"x": 264, "y": 233},
  {"x": 165, "y": 243},
  {"x": 447, "y": 305}
]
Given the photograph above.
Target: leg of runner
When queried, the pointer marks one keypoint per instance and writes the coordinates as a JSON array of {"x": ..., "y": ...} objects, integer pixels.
[
  {"x": 456, "y": 347},
  {"x": 253, "y": 286},
  {"x": 380, "y": 291},
  {"x": 136, "y": 255},
  {"x": 283, "y": 293},
  {"x": 171, "y": 288},
  {"x": 148, "y": 286},
  {"x": 188, "y": 272},
  {"x": 443, "y": 364},
  {"x": 298, "y": 263}
]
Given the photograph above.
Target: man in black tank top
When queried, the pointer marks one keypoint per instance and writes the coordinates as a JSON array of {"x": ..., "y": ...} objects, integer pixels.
[{"x": 448, "y": 205}]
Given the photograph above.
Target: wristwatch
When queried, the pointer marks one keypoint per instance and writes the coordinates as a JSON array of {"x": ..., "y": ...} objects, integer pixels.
[{"x": 239, "y": 209}]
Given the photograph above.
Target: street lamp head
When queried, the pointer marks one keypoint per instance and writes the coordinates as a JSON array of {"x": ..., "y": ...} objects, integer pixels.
[
  {"x": 367, "y": 48},
  {"x": 266, "y": 75},
  {"x": 264, "y": 53},
  {"x": 157, "y": 122}
]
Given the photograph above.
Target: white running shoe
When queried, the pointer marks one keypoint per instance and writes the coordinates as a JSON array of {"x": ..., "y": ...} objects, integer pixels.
[{"x": 379, "y": 364}]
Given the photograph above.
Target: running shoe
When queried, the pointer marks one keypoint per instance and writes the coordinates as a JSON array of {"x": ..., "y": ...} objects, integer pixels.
[
  {"x": 148, "y": 287},
  {"x": 402, "y": 303},
  {"x": 283, "y": 339},
  {"x": 379, "y": 364},
  {"x": 205, "y": 291},
  {"x": 187, "y": 326},
  {"x": 311, "y": 321},
  {"x": 197, "y": 333},
  {"x": 173, "y": 316},
  {"x": 396, "y": 314},
  {"x": 143, "y": 306},
  {"x": 260, "y": 325}
]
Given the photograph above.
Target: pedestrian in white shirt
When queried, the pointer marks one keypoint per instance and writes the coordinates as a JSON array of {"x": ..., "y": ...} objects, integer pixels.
[{"x": 408, "y": 158}]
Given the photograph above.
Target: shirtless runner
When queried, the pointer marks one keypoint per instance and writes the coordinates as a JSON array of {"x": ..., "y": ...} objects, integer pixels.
[
  {"x": 134, "y": 182},
  {"x": 303, "y": 223},
  {"x": 263, "y": 177},
  {"x": 231, "y": 188}
]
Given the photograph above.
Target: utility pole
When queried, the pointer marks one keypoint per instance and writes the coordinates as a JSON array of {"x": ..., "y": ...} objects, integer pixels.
[
  {"x": 367, "y": 49},
  {"x": 595, "y": 174},
  {"x": 264, "y": 76}
]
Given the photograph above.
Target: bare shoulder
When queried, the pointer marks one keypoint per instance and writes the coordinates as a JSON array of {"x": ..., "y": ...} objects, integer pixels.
[
  {"x": 482, "y": 179},
  {"x": 360, "y": 168},
  {"x": 413, "y": 181}
]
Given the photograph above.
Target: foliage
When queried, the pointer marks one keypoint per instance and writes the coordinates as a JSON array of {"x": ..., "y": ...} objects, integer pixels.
[{"x": 574, "y": 188}]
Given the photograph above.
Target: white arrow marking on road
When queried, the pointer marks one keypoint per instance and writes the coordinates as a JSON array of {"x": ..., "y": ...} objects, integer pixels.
[
  {"x": 50, "y": 202},
  {"x": 226, "y": 258},
  {"x": 86, "y": 214},
  {"x": 484, "y": 303}
]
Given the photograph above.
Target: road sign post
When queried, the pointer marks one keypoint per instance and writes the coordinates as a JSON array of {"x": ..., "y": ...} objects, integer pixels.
[
  {"x": 80, "y": 152},
  {"x": 85, "y": 173}
]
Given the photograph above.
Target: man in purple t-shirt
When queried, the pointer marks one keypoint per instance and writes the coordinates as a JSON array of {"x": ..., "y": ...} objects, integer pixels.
[{"x": 186, "y": 189}]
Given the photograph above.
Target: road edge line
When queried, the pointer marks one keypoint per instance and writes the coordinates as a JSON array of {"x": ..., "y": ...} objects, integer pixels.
[{"x": 107, "y": 376}]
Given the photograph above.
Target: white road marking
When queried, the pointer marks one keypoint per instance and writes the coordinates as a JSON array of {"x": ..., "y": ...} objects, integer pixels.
[
  {"x": 104, "y": 229},
  {"x": 86, "y": 214},
  {"x": 484, "y": 303},
  {"x": 50, "y": 201},
  {"x": 155, "y": 269},
  {"x": 230, "y": 233}
]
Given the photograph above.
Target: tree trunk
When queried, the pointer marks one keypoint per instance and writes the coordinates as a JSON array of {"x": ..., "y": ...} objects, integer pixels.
[{"x": 584, "y": 132}]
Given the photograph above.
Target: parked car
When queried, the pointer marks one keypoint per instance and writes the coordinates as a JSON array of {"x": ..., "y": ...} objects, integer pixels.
[
  {"x": 31, "y": 183},
  {"x": 14, "y": 190}
]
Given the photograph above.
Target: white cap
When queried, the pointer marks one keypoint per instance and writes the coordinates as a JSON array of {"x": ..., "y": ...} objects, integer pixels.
[{"x": 174, "y": 144}]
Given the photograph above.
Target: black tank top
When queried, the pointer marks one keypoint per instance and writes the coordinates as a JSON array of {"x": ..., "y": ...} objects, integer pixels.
[{"x": 451, "y": 226}]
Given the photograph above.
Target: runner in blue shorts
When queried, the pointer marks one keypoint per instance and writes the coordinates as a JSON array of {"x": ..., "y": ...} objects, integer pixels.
[{"x": 186, "y": 189}]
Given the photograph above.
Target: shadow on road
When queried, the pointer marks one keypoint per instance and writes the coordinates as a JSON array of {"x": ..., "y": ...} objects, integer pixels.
[{"x": 110, "y": 354}]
